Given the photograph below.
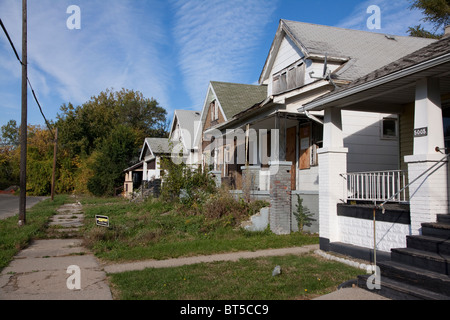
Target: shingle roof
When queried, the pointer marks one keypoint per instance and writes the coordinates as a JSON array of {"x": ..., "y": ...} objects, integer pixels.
[
  {"x": 366, "y": 51},
  {"x": 159, "y": 145},
  {"x": 427, "y": 53},
  {"x": 236, "y": 97}
]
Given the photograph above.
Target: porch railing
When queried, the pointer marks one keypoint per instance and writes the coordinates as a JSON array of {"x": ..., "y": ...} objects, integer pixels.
[{"x": 376, "y": 186}]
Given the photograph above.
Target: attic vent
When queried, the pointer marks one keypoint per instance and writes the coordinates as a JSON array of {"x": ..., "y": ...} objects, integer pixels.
[{"x": 390, "y": 37}]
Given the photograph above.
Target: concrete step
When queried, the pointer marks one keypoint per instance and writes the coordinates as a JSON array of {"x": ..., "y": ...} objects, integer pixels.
[
  {"x": 427, "y": 243},
  {"x": 396, "y": 290},
  {"x": 422, "y": 259},
  {"x": 443, "y": 218},
  {"x": 437, "y": 229},
  {"x": 424, "y": 279}
]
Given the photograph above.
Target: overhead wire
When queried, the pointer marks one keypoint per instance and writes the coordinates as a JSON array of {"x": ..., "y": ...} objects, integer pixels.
[{"x": 28, "y": 80}]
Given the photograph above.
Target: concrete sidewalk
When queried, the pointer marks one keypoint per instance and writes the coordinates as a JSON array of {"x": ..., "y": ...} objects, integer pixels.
[{"x": 44, "y": 270}]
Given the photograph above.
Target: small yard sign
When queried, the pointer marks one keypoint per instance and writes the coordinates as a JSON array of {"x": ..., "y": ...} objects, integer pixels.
[{"x": 102, "y": 221}]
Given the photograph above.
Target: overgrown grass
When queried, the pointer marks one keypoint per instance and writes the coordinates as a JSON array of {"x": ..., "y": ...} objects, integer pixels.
[
  {"x": 14, "y": 238},
  {"x": 159, "y": 230},
  {"x": 302, "y": 277}
]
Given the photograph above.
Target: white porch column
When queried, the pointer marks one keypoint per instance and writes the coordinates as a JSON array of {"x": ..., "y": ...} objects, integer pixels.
[
  {"x": 332, "y": 163},
  {"x": 428, "y": 196},
  {"x": 145, "y": 171}
]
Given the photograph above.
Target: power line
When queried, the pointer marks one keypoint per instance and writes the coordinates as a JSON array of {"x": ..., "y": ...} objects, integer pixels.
[{"x": 28, "y": 80}]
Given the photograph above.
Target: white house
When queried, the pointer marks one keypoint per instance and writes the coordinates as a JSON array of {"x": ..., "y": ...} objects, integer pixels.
[
  {"x": 307, "y": 61},
  {"x": 181, "y": 136},
  {"x": 416, "y": 88}
]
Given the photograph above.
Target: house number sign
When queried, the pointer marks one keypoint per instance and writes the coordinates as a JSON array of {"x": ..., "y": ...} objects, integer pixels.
[{"x": 421, "y": 132}]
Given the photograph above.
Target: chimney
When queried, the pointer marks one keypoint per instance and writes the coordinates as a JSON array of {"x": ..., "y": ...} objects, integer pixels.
[{"x": 447, "y": 31}]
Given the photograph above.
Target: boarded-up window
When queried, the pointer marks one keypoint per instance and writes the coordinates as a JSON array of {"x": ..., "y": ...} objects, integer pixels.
[
  {"x": 289, "y": 78},
  {"x": 305, "y": 147}
]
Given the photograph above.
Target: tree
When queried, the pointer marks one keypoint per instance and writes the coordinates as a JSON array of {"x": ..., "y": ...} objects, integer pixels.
[
  {"x": 85, "y": 134},
  {"x": 113, "y": 157},
  {"x": 303, "y": 215},
  {"x": 83, "y": 128},
  {"x": 436, "y": 12},
  {"x": 10, "y": 133}
]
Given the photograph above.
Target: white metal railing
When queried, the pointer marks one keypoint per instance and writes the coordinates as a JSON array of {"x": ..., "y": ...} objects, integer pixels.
[{"x": 376, "y": 186}]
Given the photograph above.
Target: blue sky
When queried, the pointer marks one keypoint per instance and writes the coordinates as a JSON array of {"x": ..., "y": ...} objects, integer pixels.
[{"x": 168, "y": 50}]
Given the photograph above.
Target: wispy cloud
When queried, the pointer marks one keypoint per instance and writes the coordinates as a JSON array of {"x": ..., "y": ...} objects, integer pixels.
[
  {"x": 215, "y": 39},
  {"x": 396, "y": 17},
  {"x": 115, "y": 47}
]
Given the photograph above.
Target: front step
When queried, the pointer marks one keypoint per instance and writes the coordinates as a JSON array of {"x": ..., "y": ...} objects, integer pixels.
[
  {"x": 427, "y": 243},
  {"x": 443, "y": 218},
  {"x": 438, "y": 229},
  {"x": 400, "y": 291},
  {"x": 421, "y": 259},
  {"x": 424, "y": 279}
]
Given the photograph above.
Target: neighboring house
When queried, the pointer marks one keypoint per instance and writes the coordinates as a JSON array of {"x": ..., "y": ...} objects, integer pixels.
[
  {"x": 149, "y": 166},
  {"x": 182, "y": 133},
  {"x": 307, "y": 61},
  {"x": 223, "y": 100},
  {"x": 416, "y": 88}
]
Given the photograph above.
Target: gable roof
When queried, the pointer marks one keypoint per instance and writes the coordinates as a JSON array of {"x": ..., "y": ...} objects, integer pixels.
[
  {"x": 363, "y": 51},
  {"x": 235, "y": 97},
  {"x": 156, "y": 146},
  {"x": 188, "y": 120}
]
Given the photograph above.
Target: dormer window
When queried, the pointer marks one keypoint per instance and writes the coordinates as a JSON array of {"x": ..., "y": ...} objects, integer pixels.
[{"x": 289, "y": 78}]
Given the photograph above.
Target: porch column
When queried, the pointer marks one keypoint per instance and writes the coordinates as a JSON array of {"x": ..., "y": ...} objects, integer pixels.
[
  {"x": 428, "y": 195},
  {"x": 332, "y": 163},
  {"x": 280, "y": 197},
  {"x": 145, "y": 171}
]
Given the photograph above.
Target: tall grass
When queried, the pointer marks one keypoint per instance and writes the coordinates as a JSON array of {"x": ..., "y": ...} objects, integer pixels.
[{"x": 160, "y": 230}]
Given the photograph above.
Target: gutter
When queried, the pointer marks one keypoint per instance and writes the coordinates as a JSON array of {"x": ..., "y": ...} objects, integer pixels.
[
  {"x": 377, "y": 82},
  {"x": 312, "y": 117}
]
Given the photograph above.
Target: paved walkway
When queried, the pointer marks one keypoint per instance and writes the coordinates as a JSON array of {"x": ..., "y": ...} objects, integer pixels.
[
  {"x": 47, "y": 269},
  {"x": 62, "y": 269}
]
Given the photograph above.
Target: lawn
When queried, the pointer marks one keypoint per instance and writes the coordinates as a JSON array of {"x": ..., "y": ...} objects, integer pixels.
[
  {"x": 14, "y": 238},
  {"x": 158, "y": 230},
  {"x": 302, "y": 278}
]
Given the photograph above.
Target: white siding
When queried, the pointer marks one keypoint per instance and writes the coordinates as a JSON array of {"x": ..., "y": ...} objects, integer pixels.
[
  {"x": 367, "y": 150},
  {"x": 287, "y": 54}
]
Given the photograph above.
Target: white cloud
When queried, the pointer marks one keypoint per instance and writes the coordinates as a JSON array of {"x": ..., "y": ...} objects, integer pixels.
[
  {"x": 215, "y": 39},
  {"x": 396, "y": 17},
  {"x": 117, "y": 46}
]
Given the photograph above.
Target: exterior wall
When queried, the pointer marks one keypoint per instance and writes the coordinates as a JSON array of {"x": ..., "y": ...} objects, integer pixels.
[
  {"x": 359, "y": 232},
  {"x": 368, "y": 151}
]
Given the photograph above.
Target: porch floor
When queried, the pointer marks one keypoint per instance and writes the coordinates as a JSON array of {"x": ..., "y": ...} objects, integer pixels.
[{"x": 394, "y": 212}]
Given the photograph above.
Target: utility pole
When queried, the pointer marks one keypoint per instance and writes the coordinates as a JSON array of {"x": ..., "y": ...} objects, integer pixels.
[
  {"x": 55, "y": 150},
  {"x": 23, "y": 128}
]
